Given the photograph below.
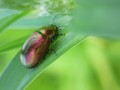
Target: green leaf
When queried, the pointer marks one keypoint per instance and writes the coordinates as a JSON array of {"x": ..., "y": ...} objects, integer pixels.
[
  {"x": 17, "y": 77},
  {"x": 6, "y": 21},
  {"x": 13, "y": 44},
  {"x": 23, "y": 4},
  {"x": 97, "y": 17}
]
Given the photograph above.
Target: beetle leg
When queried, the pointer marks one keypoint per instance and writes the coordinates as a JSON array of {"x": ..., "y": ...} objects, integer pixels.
[
  {"x": 53, "y": 51},
  {"x": 61, "y": 34},
  {"x": 51, "y": 40},
  {"x": 44, "y": 57}
]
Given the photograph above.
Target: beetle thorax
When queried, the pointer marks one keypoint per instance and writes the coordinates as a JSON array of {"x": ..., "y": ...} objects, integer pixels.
[{"x": 50, "y": 33}]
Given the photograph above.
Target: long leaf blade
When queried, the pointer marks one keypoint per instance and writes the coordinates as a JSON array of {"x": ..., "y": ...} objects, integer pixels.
[
  {"x": 20, "y": 76},
  {"x": 5, "y": 22}
]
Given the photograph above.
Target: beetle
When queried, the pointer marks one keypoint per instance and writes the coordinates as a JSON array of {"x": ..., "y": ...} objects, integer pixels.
[{"x": 38, "y": 45}]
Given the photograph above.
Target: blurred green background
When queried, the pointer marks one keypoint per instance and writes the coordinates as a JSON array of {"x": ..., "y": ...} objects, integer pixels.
[{"x": 93, "y": 64}]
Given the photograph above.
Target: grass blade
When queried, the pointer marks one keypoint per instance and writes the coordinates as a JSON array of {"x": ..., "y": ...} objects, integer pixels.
[
  {"x": 13, "y": 44},
  {"x": 5, "y": 22},
  {"x": 20, "y": 76}
]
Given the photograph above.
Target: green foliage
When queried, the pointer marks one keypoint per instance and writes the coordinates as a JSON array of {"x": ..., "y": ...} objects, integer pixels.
[
  {"x": 19, "y": 19},
  {"x": 97, "y": 17}
]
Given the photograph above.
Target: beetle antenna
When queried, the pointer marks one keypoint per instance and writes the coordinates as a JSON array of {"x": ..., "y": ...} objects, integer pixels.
[
  {"x": 54, "y": 19},
  {"x": 61, "y": 27}
]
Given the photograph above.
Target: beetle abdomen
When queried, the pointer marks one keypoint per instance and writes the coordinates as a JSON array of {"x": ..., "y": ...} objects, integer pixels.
[{"x": 34, "y": 49}]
